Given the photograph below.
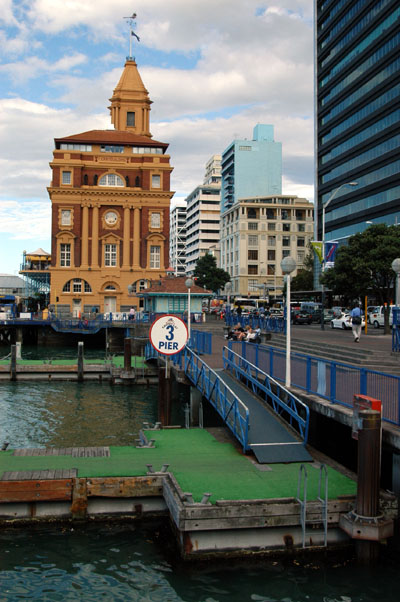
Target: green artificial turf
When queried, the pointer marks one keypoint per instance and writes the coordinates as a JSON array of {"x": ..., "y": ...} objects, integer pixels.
[{"x": 200, "y": 464}]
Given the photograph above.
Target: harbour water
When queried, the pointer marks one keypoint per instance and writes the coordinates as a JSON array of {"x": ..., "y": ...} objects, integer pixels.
[{"x": 135, "y": 562}]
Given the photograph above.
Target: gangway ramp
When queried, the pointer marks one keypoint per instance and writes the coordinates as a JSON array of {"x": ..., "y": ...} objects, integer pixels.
[{"x": 269, "y": 438}]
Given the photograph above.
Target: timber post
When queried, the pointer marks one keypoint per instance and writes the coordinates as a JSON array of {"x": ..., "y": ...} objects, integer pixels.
[
  {"x": 127, "y": 354},
  {"x": 80, "y": 361},
  {"x": 13, "y": 363}
]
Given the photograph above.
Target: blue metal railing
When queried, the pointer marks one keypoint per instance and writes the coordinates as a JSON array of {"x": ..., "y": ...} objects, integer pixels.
[
  {"x": 266, "y": 324},
  {"x": 396, "y": 330},
  {"x": 335, "y": 381},
  {"x": 228, "y": 405},
  {"x": 200, "y": 342},
  {"x": 295, "y": 412}
]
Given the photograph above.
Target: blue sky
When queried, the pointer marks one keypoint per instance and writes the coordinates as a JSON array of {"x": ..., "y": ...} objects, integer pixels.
[{"x": 213, "y": 70}]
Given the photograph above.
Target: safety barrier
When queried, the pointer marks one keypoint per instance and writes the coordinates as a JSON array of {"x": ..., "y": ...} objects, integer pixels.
[
  {"x": 270, "y": 324},
  {"x": 291, "y": 409},
  {"x": 335, "y": 381}
]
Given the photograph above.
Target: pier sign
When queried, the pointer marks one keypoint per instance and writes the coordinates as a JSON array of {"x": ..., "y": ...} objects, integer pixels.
[{"x": 168, "y": 334}]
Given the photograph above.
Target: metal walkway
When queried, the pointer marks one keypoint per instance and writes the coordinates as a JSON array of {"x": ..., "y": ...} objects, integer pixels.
[{"x": 269, "y": 438}]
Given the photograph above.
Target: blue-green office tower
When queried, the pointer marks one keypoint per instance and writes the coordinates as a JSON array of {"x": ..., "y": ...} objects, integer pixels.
[
  {"x": 357, "y": 114},
  {"x": 251, "y": 168}
]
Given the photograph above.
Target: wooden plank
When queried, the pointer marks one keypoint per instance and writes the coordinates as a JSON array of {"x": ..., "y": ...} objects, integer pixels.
[
  {"x": 124, "y": 487},
  {"x": 39, "y": 490}
]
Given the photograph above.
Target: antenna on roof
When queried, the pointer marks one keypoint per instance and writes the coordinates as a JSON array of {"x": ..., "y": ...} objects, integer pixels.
[{"x": 132, "y": 33}]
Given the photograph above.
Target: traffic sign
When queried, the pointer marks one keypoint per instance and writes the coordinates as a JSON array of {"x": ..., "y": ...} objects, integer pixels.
[{"x": 168, "y": 334}]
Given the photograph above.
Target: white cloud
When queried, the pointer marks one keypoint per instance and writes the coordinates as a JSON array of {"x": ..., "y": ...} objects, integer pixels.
[{"x": 26, "y": 220}]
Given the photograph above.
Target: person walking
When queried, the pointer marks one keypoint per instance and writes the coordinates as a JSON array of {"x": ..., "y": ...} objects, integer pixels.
[{"x": 356, "y": 322}]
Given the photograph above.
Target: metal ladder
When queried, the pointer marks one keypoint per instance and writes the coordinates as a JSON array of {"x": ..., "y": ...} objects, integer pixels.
[{"x": 302, "y": 488}]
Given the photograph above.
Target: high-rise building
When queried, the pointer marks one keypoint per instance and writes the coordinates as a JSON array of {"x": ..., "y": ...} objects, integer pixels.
[
  {"x": 257, "y": 233},
  {"x": 251, "y": 168},
  {"x": 110, "y": 196},
  {"x": 357, "y": 114},
  {"x": 177, "y": 238},
  {"x": 203, "y": 215}
]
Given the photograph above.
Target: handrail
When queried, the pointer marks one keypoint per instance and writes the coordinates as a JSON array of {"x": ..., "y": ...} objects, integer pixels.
[{"x": 290, "y": 404}]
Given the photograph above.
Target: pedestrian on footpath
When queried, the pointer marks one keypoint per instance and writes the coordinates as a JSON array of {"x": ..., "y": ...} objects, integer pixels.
[{"x": 356, "y": 322}]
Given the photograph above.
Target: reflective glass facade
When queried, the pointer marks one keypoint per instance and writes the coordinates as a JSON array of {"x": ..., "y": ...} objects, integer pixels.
[{"x": 358, "y": 114}]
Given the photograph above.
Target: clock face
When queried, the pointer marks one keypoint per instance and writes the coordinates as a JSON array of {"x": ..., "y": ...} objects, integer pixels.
[{"x": 111, "y": 218}]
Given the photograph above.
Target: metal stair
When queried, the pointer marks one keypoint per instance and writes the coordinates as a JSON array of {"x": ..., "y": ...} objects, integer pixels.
[{"x": 323, "y": 501}]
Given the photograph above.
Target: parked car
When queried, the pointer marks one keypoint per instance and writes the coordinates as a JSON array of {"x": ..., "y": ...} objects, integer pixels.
[
  {"x": 376, "y": 318},
  {"x": 301, "y": 317},
  {"x": 344, "y": 322}
]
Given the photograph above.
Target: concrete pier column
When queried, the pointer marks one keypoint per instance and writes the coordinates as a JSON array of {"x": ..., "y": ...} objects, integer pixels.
[{"x": 195, "y": 401}]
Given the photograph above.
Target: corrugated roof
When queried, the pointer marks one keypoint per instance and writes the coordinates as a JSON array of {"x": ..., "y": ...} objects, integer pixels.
[
  {"x": 11, "y": 282},
  {"x": 111, "y": 137},
  {"x": 176, "y": 285}
]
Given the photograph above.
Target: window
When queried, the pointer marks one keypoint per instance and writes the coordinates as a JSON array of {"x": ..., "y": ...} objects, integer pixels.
[
  {"x": 301, "y": 227},
  {"x": 111, "y": 179},
  {"x": 65, "y": 255},
  {"x": 271, "y": 255},
  {"x": 67, "y": 287},
  {"x": 285, "y": 214},
  {"x": 65, "y": 217},
  {"x": 156, "y": 181},
  {"x": 252, "y": 255},
  {"x": 252, "y": 269},
  {"x": 301, "y": 242},
  {"x": 111, "y": 148},
  {"x": 110, "y": 255},
  {"x": 271, "y": 241},
  {"x": 271, "y": 214},
  {"x": 253, "y": 285},
  {"x": 285, "y": 253},
  {"x": 155, "y": 256},
  {"x": 251, "y": 213},
  {"x": 285, "y": 241},
  {"x": 271, "y": 270},
  {"x": 286, "y": 227},
  {"x": 81, "y": 147},
  {"x": 271, "y": 226},
  {"x": 253, "y": 225},
  {"x": 88, "y": 288},
  {"x": 130, "y": 119},
  {"x": 300, "y": 256},
  {"x": 155, "y": 220},
  {"x": 66, "y": 177},
  {"x": 253, "y": 240},
  {"x": 76, "y": 285}
]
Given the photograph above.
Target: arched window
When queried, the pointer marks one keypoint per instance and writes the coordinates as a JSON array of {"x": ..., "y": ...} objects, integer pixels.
[
  {"x": 137, "y": 182},
  {"x": 111, "y": 179},
  {"x": 76, "y": 285},
  {"x": 95, "y": 179},
  {"x": 127, "y": 180},
  {"x": 85, "y": 179},
  {"x": 110, "y": 287}
]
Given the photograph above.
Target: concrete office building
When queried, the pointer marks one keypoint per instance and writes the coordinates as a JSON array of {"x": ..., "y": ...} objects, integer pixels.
[
  {"x": 257, "y": 233},
  {"x": 251, "y": 168},
  {"x": 357, "y": 114},
  {"x": 203, "y": 216},
  {"x": 177, "y": 238}
]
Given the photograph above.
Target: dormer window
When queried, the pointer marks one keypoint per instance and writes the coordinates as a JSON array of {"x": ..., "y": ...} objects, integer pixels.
[{"x": 130, "y": 119}]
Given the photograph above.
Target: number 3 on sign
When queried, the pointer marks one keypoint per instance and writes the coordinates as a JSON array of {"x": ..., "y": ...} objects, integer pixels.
[{"x": 170, "y": 334}]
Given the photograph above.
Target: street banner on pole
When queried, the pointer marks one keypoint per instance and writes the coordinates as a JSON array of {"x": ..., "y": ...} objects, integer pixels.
[{"x": 317, "y": 246}]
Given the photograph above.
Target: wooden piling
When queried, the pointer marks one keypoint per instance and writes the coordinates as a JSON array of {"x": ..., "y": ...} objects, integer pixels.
[
  {"x": 13, "y": 363},
  {"x": 127, "y": 354},
  {"x": 164, "y": 397},
  {"x": 80, "y": 361}
]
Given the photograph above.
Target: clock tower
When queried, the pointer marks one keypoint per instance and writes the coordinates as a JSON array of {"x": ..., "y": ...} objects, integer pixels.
[{"x": 110, "y": 196}]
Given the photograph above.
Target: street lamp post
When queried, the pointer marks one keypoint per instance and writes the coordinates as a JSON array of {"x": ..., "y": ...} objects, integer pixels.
[
  {"x": 188, "y": 283},
  {"x": 396, "y": 268},
  {"x": 288, "y": 265},
  {"x": 324, "y": 206}
]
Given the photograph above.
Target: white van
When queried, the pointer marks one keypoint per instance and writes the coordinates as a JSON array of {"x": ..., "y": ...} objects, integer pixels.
[{"x": 376, "y": 318}]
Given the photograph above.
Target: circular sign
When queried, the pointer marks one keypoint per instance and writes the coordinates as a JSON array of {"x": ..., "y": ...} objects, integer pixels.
[{"x": 168, "y": 334}]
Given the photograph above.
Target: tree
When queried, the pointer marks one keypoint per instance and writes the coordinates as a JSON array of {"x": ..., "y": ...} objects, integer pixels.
[
  {"x": 209, "y": 275},
  {"x": 364, "y": 266},
  {"x": 304, "y": 279}
]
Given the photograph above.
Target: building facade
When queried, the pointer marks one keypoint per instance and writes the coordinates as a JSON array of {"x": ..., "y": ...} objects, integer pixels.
[
  {"x": 357, "y": 114},
  {"x": 251, "y": 168},
  {"x": 256, "y": 234},
  {"x": 203, "y": 215},
  {"x": 110, "y": 196},
  {"x": 177, "y": 238}
]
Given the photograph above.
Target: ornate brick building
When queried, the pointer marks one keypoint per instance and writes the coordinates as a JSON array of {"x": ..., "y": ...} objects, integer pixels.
[{"x": 110, "y": 196}]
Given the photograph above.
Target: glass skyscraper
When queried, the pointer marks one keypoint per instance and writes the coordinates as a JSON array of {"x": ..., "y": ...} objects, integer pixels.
[{"x": 357, "y": 114}]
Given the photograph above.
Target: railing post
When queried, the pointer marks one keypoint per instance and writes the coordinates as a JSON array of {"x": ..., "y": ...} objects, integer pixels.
[
  {"x": 308, "y": 375},
  {"x": 271, "y": 361},
  {"x": 363, "y": 381},
  {"x": 332, "y": 396}
]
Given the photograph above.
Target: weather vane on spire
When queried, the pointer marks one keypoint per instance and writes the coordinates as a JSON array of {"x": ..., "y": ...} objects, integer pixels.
[{"x": 132, "y": 33}]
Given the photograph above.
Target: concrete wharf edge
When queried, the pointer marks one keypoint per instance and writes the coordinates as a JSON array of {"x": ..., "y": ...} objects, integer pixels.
[{"x": 227, "y": 527}]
